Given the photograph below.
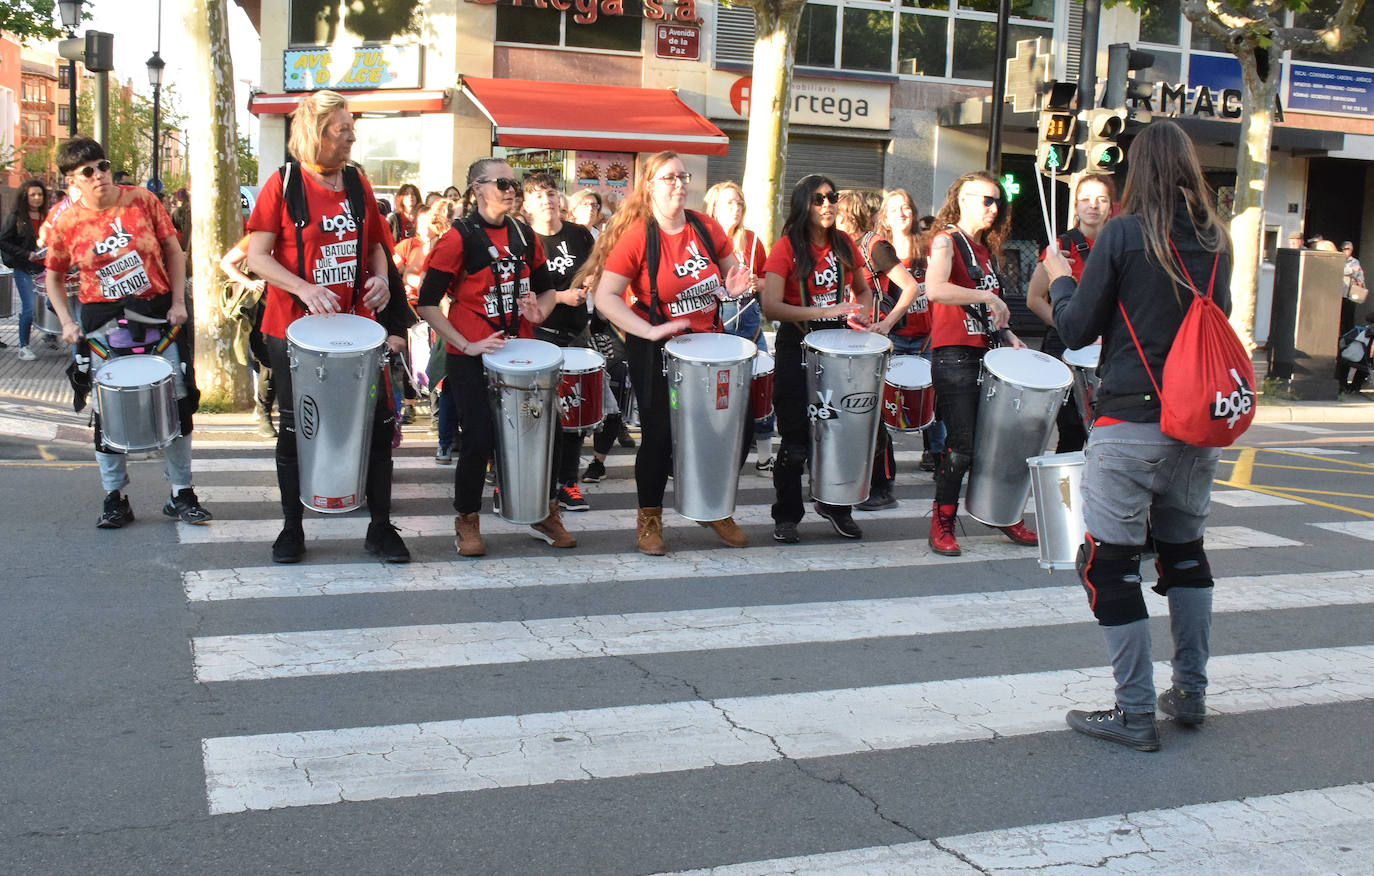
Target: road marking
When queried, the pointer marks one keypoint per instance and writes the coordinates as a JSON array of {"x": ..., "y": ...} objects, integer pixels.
[
  {"x": 258, "y": 656},
  {"x": 28, "y": 428},
  {"x": 495, "y": 573},
  {"x": 1316, "y": 451},
  {"x": 1299, "y": 427},
  {"x": 269, "y": 771},
  {"x": 1358, "y": 528},
  {"x": 1283, "y": 494},
  {"x": 1244, "y": 466},
  {"x": 1323, "y": 830},
  {"x": 1240, "y": 499}
]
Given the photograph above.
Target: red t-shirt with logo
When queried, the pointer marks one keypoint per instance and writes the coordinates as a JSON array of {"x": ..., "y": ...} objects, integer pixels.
[
  {"x": 950, "y": 324},
  {"x": 823, "y": 285},
  {"x": 330, "y": 239},
  {"x": 687, "y": 277},
  {"x": 917, "y": 322},
  {"x": 478, "y": 307},
  {"x": 118, "y": 251},
  {"x": 752, "y": 254}
]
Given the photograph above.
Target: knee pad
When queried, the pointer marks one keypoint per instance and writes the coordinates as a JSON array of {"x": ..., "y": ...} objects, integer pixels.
[
  {"x": 791, "y": 456},
  {"x": 1110, "y": 575},
  {"x": 1181, "y": 565}
]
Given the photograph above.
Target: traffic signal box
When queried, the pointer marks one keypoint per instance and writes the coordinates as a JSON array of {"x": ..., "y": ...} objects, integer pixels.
[
  {"x": 1059, "y": 132},
  {"x": 1122, "y": 90},
  {"x": 1104, "y": 126}
]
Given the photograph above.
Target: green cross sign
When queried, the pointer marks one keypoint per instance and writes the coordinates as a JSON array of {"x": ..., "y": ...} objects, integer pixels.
[{"x": 1011, "y": 187}]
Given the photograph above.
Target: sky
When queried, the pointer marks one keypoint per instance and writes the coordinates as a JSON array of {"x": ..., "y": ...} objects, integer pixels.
[{"x": 134, "y": 25}]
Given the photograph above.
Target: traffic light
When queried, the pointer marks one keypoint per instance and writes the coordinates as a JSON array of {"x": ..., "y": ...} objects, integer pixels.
[
  {"x": 1122, "y": 61},
  {"x": 1059, "y": 132},
  {"x": 1104, "y": 126},
  {"x": 1059, "y": 158}
]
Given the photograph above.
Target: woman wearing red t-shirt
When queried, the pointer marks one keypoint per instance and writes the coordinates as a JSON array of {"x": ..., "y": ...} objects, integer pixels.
[
  {"x": 681, "y": 297},
  {"x": 404, "y": 222},
  {"x": 965, "y": 306},
  {"x": 335, "y": 263},
  {"x": 815, "y": 279},
  {"x": 132, "y": 280},
  {"x": 490, "y": 299}
]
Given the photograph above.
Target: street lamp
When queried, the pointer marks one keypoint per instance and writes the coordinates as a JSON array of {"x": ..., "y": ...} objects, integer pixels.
[
  {"x": 71, "y": 20},
  {"x": 155, "y": 65}
]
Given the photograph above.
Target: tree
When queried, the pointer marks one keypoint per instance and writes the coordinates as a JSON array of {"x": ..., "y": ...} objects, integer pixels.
[
  {"x": 28, "y": 19},
  {"x": 1255, "y": 32},
  {"x": 248, "y": 162},
  {"x": 216, "y": 221},
  {"x": 776, "y": 23},
  {"x": 129, "y": 143}
]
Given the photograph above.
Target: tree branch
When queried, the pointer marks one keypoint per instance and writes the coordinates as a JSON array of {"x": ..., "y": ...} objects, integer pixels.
[{"x": 1337, "y": 34}]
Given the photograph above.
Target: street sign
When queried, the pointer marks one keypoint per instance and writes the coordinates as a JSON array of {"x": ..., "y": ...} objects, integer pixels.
[
  {"x": 1028, "y": 71},
  {"x": 677, "y": 42}
]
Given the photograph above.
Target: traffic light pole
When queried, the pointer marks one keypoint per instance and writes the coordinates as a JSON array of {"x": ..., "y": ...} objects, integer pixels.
[
  {"x": 999, "y": 88},
  {"x": 1087, "y": 55}
]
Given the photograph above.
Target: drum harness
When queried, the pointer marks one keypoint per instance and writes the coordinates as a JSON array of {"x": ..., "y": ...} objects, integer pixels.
[{"x": 979, "y": 312}]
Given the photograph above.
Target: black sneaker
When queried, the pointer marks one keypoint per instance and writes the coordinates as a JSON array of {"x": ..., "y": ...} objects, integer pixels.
[
  {"x": 625, "y": 438},
  {"x": 186, "y": 507},
  {"x": 115, "y": 512},
  {"x": 1132, "y": 730},
  {"x": 290, "y": 544},
  {"x": 1186, "y": 706},
  {"x": 596, "y": 470},
  {"x": 840, "y": 518},
  {"x": 570, "y": 498},
  {"x": 786, "y": 532},
  {"x": 877, "y": 501},
  {"x": 384, "y": 540}
]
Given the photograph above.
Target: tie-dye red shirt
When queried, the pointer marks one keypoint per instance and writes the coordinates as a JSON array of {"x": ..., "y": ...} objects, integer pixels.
[{"x": 117, "y": 251}]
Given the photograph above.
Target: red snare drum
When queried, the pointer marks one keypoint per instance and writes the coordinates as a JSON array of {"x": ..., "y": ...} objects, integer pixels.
[
  {"x": 761, "y": 390},
  {"x": 908, "y": 396},
  {"x": 579, "y": 390}
]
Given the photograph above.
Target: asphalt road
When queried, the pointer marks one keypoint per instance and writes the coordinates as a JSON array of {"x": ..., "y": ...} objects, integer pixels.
[{"x": 175, "y": 704}]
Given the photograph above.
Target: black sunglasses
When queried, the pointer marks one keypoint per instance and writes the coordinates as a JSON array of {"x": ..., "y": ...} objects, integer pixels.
[
  {"x": 989, "y": 200},
  {"x": 505, "y": 183},
  {"x": 89, "y": 171},
  {"x": 821, "y": 197}
]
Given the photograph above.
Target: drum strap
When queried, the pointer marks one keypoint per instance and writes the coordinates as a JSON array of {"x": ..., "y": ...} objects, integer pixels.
[
  {"x": 479, "y": 253},
  {"x": 652, "y": 257},
  {"x": 293, "y": 193},
  {"x": 976, "y": 274}
]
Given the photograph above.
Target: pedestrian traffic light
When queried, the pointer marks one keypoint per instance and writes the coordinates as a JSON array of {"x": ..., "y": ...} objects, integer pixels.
[
  {"x": 1122, "y": 61},
  {"x": 1104, "y": 126},
  {"x": 1057, "y": 121},
  {"x": 1058, "y": 158}
]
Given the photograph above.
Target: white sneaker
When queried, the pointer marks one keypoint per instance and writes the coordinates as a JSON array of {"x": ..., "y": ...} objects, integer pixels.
[
  {"x": 764, "y": 469},
  {"x": 27, "y": 355}
]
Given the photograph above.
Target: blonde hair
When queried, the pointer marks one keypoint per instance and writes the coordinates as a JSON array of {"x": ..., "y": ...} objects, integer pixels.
[
  {"x": 308, "y": 121},
  {"x": 638, "y": 206},
  {"x": 714, "y": 195}
]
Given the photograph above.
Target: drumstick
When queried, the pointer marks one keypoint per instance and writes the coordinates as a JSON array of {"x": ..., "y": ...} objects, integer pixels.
[
  {"x": 1044, "y": 211},
  {"x": 1054, "y": 197}
]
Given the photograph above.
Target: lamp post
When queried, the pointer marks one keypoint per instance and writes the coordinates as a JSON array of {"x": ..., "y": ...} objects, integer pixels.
[
  {"x": 155, "y": 65},
  {"x": 71, "y": 19}
]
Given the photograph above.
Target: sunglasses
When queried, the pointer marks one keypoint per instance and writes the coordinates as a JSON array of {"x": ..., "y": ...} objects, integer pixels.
[
  {"x": 504, "y": 184},
  {"x": 821, "y": 197},
  {"x": 988, "y": 200},
  {"x": 89, "y": 170}
]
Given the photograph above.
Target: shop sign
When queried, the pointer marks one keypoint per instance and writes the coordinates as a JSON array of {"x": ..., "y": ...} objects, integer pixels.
[
  {"x": 1342, "y": 91},
  {"x": 675, "y": 41},
  {"x": 587, "y": 11},
  {"x": 834, "y": 103},
  {"x": 351, "y": 69},
  {"x": 1213, "y": 89}
]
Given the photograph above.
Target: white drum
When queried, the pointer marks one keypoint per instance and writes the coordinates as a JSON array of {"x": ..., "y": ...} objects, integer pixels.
[
  {"x": 844, "y": 387},
  {"x": 522, "y": 388},
  {"x": 136, "y": 399},
  {"x": 1057, "y": 483},
  {"x": 1083, "y": 364}
]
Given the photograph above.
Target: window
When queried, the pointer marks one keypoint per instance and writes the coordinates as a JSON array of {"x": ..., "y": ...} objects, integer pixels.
[
  {"x": 318, "y": 23},
  {"x": 64, "y": 76},
  {"x": 549, "y": 27},
  {"x": 64, "y": 115},
  {"x": 1161, "y": 22},
  {"x": 1361, "y": 54}
]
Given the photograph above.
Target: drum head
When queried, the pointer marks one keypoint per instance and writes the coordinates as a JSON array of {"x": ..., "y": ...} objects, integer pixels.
[
  {"x": 336, "y": 333},
  {"x": 579, "y": 360},
  {"x": 523, "y": 356},
  {"x": 1027, "y": 368},
  {"x": 908, "y": 372},
  {"x": 129, "y": 371},
  {"x": 763, "y": 363},
  {"x": 847, "y": 342},
  {"x": 710, "y": 347},
  {"x": 1083, "y": 357}
]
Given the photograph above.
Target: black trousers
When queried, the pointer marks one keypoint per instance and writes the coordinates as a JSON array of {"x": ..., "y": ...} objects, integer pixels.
[
  {"x": 954, "y": 374},
  {"x": 654, "y": 458},
  {"x": 378, "y": 485}
]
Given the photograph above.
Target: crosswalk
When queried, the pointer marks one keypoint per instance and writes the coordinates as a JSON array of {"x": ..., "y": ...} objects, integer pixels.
[{"x": 713, "y": 662}]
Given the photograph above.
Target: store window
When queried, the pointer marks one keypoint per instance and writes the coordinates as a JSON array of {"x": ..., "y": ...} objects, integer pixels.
[
  {"x": 324, "y": 22},
  {"x": 1161, "y": 34},
  {"x": 388, "y": 149},
  {"x": 531, "y": 25}
]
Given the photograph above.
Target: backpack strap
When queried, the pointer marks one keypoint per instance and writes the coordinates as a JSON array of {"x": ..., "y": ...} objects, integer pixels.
[
  {"x": 298, "y": 211},
  {"x": 353, "y": 189},
  {"x": 1077, "y": 240},
  {"x": 480, "y": 253},
  {"x": 976, "y": 274},
  {"x": 653, "y": 257},
  {"x": 293, "y": 193}
]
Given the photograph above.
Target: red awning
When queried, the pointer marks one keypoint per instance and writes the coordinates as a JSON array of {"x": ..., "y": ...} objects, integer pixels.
[
  {"x": 610, "y": 118},
  {"x": 393, "y": 100}
]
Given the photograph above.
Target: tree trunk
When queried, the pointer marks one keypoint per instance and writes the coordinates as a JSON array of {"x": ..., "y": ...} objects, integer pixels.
[
  {"x": 1252, "y": 177},
  {"x": 216, "y": 222},
  {"x": 776, "y": 23}
]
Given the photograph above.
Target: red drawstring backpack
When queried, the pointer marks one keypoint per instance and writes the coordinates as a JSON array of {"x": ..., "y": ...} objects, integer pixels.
[{"x": 1207, "y": 397}]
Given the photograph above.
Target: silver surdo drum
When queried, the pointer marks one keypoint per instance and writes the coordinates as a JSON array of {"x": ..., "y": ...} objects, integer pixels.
[
  {"x": 136, "y": 398},
  {"x": 844, "y": 383},
  {"x": 1083, "y": 365},
  {"x": 1021, "y": 393},
  {"x": 1057, "y": 483},
  {"x": 709, "y": 377},
  {"x": 336, "y": 374},
  {"x": 44, "y": 317},
  {"x": 522, "y": 389}
]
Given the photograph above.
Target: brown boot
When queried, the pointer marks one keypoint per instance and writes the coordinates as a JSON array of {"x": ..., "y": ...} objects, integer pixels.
[
  {"x": 729, "y": 532},
  {"x": 649, "y": 532},
  {"x": 551, "y": 529},
  {"x": 469, "y": 535}
]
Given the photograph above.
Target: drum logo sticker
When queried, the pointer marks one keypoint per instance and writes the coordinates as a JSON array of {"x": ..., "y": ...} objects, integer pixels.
[
  {"x": 334, "y": 502},
  {"x": 309, "y": 418},
  {"x": 859, "y": 402},
  {"x": 573, "y": 399},
  {"x": 722, "y": 389},
  {"x": 823, "y": 410},
  {"x": 672, "y": 397}
]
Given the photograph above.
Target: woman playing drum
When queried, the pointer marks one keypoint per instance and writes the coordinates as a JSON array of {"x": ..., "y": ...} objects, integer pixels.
[
  {"x": 492, "y": 268},
  {"x": 695, "y": 262},
  {"x": 333, "y": 263},
  {"x": 1167, "y": 240},
  {"x": 133, "y": 280},
  {"x": 966, "y": 310},
  {"x": 815, "y": 281}
]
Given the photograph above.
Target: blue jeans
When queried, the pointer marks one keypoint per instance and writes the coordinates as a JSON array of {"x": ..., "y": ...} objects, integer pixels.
[
  {"x": 934, "y": 436},
  {"x": 743, "y": 319},
  {"x": 23, "y": 282}
]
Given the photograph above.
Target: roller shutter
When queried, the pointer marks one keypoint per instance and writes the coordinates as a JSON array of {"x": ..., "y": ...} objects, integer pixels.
[{"x": 851, "y": 163}]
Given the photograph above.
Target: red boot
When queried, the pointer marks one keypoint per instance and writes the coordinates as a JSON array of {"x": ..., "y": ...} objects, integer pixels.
[
  {"x": 1019, "y": 534},
  {"x": 942, "y": 530}
]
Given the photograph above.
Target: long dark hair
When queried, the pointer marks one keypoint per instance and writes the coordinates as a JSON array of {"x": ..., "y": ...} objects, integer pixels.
[
  {"x": 796, "y": 231},
  {"x": 995, "y": 234},
  {"x": 20, "y": 211},
  {"x": 1164, "y": 167},
  {"x": 414, "y": 191}
]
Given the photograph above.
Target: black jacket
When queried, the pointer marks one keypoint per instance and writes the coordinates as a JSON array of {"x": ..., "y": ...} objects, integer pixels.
[
  {"x": 1118, "y": 270},
  {"x": 17, "y": 241}
]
